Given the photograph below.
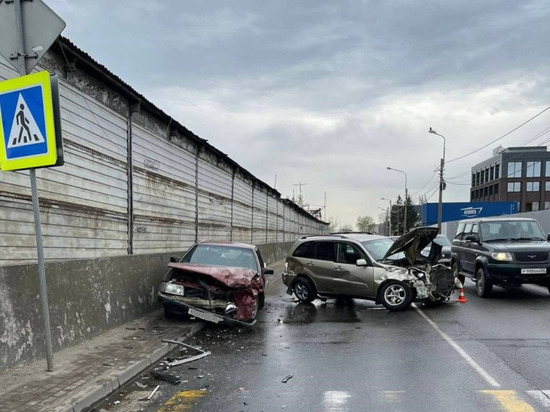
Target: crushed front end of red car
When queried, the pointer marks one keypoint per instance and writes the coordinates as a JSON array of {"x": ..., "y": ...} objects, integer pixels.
[{"x": 213, "y": 293}]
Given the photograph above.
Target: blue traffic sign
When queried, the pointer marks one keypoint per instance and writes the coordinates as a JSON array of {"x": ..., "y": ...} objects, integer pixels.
[{"x": 27, "y": 124}]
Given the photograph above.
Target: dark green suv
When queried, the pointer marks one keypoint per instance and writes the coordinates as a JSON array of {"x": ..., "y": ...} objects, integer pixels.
[{"x": 505, "y": 252}]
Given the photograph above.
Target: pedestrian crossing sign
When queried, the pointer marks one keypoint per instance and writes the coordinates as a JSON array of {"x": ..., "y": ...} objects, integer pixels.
[{"x": 27, "y": 122}]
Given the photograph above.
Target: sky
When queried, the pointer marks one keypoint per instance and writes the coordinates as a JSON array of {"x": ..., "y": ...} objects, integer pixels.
[{"x": 321, "y": 96}]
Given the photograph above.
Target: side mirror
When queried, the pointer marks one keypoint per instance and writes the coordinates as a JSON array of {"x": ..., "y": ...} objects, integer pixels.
[
  {"x": 173, "y": 259},
  {"x": 268, "y": 272},
  {"x": 548, "y": 237},
  {"x": 361, "y": 262}
]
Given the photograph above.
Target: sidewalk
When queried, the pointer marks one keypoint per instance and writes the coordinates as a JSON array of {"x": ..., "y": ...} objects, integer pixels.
[{"x": 91, "y": 370}]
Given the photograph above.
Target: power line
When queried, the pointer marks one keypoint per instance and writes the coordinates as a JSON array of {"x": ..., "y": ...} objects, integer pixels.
[
  {"x": 518, "y": 156},
  {"x": 426, "y": 184},
  {"x": 433, "y": 193},
  {"x": 499, "y": 138}
]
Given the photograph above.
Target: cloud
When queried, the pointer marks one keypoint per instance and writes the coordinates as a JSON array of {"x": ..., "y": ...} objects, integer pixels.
[{"x": 330, "y": 93}]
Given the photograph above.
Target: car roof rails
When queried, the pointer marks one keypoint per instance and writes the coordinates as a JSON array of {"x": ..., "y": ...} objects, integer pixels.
[
  {"x": 326, "y": 235},
  {"x": 353, "y": 233}
]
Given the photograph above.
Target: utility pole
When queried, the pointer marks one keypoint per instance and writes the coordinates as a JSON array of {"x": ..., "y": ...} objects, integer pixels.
[{"x": 442, "y": 184}]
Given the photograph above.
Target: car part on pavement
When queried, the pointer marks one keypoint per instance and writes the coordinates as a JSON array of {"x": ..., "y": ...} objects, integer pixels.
[
  {"x": 173, "y": 379},
  {"x": 202, "y": 353},
  {"x": 287, "y": 378},
  {"x": 148, "y": 398}
]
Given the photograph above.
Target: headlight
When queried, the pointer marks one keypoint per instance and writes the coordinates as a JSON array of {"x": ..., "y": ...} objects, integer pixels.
[
  {"x": 174, "y": 289},
  {"x": 502, "y": 256}
]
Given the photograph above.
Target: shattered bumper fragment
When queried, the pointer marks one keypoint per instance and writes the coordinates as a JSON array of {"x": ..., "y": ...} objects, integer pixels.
[{"x": 203, "y": 314}]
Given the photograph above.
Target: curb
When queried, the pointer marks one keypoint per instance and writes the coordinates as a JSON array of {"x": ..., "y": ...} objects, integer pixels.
[{"x": 100, "y": 390}]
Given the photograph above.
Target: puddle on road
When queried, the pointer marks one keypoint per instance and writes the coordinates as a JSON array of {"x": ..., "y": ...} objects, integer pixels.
[{"x": 333, "y": 310}]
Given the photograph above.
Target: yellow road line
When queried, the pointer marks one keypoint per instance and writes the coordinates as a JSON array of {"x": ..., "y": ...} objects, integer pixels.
[
  {"x": 509, "y": 400},
  {"x": 182, "y": 401}
]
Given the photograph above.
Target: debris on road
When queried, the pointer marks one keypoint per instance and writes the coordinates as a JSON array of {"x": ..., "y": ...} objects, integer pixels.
[
  {"x": 173, "y": 379},
  {"x": 141, "y": 385},
  {"x": 202, "y": 353},
  {"x": 286, "y": 379},
  {"x": 148, "y": 398}
]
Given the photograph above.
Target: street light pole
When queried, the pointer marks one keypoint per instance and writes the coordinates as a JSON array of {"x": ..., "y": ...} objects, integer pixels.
[
  {"x": 406, "y": 196},
  {"x": 441, "y": 183},
  {"x": 389, "y": 220}
]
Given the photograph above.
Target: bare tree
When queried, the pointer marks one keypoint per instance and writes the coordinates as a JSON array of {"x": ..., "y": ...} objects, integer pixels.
[{"x": 365, "y": 224}]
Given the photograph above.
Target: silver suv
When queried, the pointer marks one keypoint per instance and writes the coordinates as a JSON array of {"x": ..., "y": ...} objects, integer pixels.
[{"x": 367, "y": 266}]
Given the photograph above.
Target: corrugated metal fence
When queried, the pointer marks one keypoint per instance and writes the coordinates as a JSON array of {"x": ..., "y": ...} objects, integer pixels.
[{"x": 132, "y": 184}]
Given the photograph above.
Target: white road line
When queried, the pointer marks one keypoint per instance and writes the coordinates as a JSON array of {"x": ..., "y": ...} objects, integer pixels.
[
  {"x": 460, "y": 351},
  {"x": 542, "y": 396}
]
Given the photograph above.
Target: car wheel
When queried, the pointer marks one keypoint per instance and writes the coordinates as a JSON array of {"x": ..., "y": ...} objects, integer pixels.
[
  {"x": 396, "y": 295},
  {"x": 304, "y": 290},
  {"x": 255, "y": 309},
  {"x": 168, "y": 313},
  {"x": 460, "y": 277},
  {"x": 484, "y": 287}
]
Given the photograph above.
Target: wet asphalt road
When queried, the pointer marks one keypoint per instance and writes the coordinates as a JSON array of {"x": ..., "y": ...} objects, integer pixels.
[{"x": 351, "y": 355}]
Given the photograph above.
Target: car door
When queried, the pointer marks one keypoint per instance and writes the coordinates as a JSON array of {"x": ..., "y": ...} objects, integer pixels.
[
  {"x": 350, "y": 279},
  {"x": 319, "y": 265},
  {"x": 469, "y": 250},
  {"x": 457, "y": 247}
]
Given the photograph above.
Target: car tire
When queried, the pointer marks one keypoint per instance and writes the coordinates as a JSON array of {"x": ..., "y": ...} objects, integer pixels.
[
  {"x": 460, "y": 277},
  {"x": 484, "y": 286},
  {"x": 396, "y": 295},
  {"x": 304, "y": 290},
  {"x": 174, "y": 312},
  {"x": 255, "y": 309},
  {"x": 168, "y": 314}
]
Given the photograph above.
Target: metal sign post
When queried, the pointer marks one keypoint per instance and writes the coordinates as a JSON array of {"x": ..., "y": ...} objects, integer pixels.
[
  {"x": 36, "y": 28},
  {"x": 35, "y": 206}
]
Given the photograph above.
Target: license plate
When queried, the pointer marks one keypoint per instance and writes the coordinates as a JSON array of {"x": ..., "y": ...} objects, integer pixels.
[
  {"x": 210, "y": 317},
  {"x": 534, "y": 271}
]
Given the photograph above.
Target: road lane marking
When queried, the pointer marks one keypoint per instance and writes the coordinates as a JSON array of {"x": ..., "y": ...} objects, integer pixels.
[
  {"x": 542, "y": 396},
  {"x": 335, "y": 401},
  {"x": 394, "y": 397},
  {"x": 182, "y": 401},
  {"x": 509, "y": 400},
  {"x": 460, "y": 351}
]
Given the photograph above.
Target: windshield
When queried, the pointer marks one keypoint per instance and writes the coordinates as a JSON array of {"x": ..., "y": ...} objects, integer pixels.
[
  {"x": 218, "y": 255},
  {"x": 511, "y": 230},
  {"x": 378, "y": 248},
  {"x": 442, "y": 240}
]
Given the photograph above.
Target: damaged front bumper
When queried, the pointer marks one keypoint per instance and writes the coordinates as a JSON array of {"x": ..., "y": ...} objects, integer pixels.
[
  {"x": 421, "y": 290},
  {"x": 200, "y": 313}
]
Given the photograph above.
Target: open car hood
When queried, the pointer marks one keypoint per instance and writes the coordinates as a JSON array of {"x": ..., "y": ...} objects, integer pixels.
[
  {"x": 231, "y": 277},
  {"x": 412, "y": 243}
]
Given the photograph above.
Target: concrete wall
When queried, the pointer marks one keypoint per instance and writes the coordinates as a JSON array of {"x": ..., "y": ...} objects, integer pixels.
[{"x": 86, "y": 297}]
